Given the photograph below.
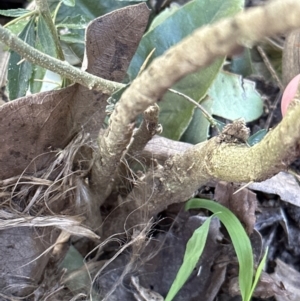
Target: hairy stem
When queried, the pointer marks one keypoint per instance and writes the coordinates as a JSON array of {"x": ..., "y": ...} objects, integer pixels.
[
  {"x": 61, "y": 67},
  {"x": 215, "y": 159},
  {"x": 194, "y": 52}
]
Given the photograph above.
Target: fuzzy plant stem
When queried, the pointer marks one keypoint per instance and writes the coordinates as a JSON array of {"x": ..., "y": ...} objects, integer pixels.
[
  {"x": 61, "y": 67},
  {"x": 174, "y": 182},
  {"x": 194, "y": 52}
]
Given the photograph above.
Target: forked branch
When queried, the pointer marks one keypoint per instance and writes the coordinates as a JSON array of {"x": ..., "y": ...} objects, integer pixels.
[
  {"x": 217, "y": 159},
  {"x": 195, "y": 52}
]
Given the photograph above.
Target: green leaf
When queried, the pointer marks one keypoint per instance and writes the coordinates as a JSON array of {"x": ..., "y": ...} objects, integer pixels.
[
  {"x": 242, "y": 64},
  {"x": 197, "y": 130},
  {"x": 14, "y": 12},
  {"x": 74, "y": 262},
  {"x": 19, "y": 74},
  {"x": 194, "y": 249},
  {"x": 69, "y": 2},
  {"x": 235, "y": 98},
  {"x": 45, "y": 37},
  {"x": 89, "y": 9},
  {"x": 176, "y": 112},
  {"x": 16, "y": 28},
  {"x": 44, "y": 43},
  {"x": 71, "y": 38},
  {"x": 239, "y": 238},
  {"x": 258, "y": 273},
  {"x": 38, "y": 73},
  {"x": 75, "y": 22},
  {"x": 166, "y": 13},
  {"x": 257, "y": 137}
]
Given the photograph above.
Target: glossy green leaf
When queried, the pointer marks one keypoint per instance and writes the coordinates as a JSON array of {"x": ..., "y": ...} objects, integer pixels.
[
  {"x": 176, "y": 112},
  {"x": 38, "y": 73},
  {"x": 198, "y": 128},
  {"x": 69, "y": 2},
  {"x": 235, "y": 98},
  {"x": 179, "y": 25},
  {"x": 229, "y": 97},
  {"x": 72, "y": 38},
  {"x": 239, "y": 238},
  {"x": 44, "y": 43},
  {"x": 45, "y": 37},
  {"x": 194, "y": 249},
  {"x": 257, "y": 137},
  {"x": 19, "y": 74},
  {"x": 75, "y": 22},
  {"x": 161, "y": 17},
  {"x": 89, "y": 9},
  {"x": 14, "y": 13},
  {"x": 242, "y": 64}
]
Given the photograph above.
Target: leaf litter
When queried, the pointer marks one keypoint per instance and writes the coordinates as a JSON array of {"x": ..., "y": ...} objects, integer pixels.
[{"x": 58, "y": 185}]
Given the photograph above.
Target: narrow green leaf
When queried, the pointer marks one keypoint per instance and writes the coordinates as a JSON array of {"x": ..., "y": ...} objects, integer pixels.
[
  {"x": 258, "y": 273},
  {"x": 69, "y": 2},
  {"x": 14, "y": 12},
  {"x": 71, "y": 38},
  {"x": 45, "y": 37},
  {"x": 194, "y": 249},
  {"x": 75, "y": 22},
  {"x": 239, "y": 238},
  {"x": 19, "y": 74}
]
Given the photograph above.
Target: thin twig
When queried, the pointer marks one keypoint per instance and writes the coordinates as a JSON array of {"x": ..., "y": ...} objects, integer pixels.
[
  {"x": 209, "y": 118},
  {"x": 270, "y": 67},
  {"x": 61, "y": 67}
]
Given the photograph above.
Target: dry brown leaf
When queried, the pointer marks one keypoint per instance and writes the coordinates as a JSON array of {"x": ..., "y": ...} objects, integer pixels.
[
  {"x": 289, "y": 279},
  {"x": 267, "y": 287},
  {"x": 243, "y": 203},
  {"x": 33, "y": 126},
  {"x": 37, "y": 124},
  {"x": 283, "y": 184}
]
